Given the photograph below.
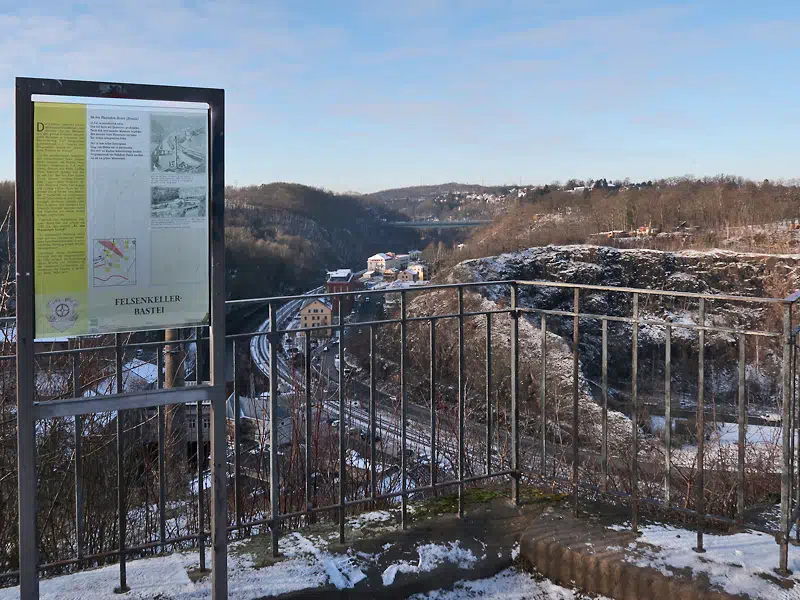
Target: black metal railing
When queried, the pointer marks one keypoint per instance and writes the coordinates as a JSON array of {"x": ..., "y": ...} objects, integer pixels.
[{"x": 535, "y": 439}]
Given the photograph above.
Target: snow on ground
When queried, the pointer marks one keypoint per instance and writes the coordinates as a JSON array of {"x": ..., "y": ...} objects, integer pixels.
[
  {"x": 166, "y": 577},
  {"x": 371, "y": 518},
  {"x": 737, "y": 563},
  {"x": 510, "y": 584},
  {"x": 147, "y": 577},
  {"x": 430, "y": 557},
  {"x": 343, "y": 571},
  {"x": 306, "y": 565}
]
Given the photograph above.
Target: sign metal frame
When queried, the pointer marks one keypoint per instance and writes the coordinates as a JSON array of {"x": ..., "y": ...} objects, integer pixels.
[{"x": 28, "y": 410}]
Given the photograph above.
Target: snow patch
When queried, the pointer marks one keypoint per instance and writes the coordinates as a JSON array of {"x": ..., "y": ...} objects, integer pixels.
[
  {"x": 369, "y": 518},
  {"x": 510, "y": 584},
  {"x": 430, "y": 557},
  {"x": 735, "y": 562}
]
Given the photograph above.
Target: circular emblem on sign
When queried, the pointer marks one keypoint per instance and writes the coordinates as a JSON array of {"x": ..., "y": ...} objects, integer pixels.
[{"x": 63, "y": 313}]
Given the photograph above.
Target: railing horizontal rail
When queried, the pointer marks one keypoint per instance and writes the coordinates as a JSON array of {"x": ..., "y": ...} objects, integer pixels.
[
  {"x": 652, "y": 322},
  {"x": 70, "y": 407},
  {"x": 416, "y": 289}
]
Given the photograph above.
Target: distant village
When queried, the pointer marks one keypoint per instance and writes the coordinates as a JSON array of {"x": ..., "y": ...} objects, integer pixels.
[{"x": 387, "y": 271}]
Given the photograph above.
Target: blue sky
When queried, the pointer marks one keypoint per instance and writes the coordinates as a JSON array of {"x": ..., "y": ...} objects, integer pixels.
[{"x": 369, "y": 94}]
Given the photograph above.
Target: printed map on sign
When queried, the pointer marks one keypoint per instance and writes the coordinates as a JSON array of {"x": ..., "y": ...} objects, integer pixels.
[{"x": 114, "y": 262}]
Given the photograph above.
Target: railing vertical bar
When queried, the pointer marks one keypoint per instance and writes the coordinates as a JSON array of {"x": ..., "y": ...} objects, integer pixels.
[
  {"x": 200, "y": 450},
  {"x": 796, "y": 428},
  {"x": 543, "y": 395},
  {"x": 237, "y": 440},
  {"x": 791, "y": 437},
  {"x": 274, "y": 474},
  {"x": 488, "y": 393},
  {"x": 198, "y": 356},
  {"x": 434, "y": 458},
  {"x": 201, "y": 542},
  {"x": 342, "y": 430},
  {"x": 218, "y": 463},
  {"x": 635, "y": 416},
  {"x": 742, "y": 431},
  {"x": 403, "y": 411},
  {"x": 121, "y": 492},
  {"x": 309, "y": 454},
  {"x": 461, "y": 401},
  {"x": 575, "y": 412},
  {"x": 162, "y": 453},
  {"x": 604, "y": 397},
  {"x": 700, "y": 483},
  {"x": 668, "y": 417},
  {"x": 515, "y": 316},
  {"x": 76, "y": 393},
  {"x": 786, "y": 430},
  {"x": 373, "y": 409}
]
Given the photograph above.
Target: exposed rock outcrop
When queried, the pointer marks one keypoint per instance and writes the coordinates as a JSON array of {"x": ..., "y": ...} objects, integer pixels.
[{"x": 715, "y": 272}]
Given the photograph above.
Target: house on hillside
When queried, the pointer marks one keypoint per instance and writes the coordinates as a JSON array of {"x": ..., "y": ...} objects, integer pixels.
[
  {"x": 415, "y": 255},
  {"x": 255, "y": 421},
  {"x": 370, "y": 277},
  {"x": 377, "y": 262},
  {"x": 341, "y": 280},
  {"x": 137, "y": 375},
  {"x": 401, "y": 261},
  {"x": 390, "y": 275},
  {"x": 388, "y": 260},
  {"x": 191, "y": 422},
  {"x": 406, "y": 275},
  {"x": 420, "y": 269},
  {"x": 317, "y": 312}
]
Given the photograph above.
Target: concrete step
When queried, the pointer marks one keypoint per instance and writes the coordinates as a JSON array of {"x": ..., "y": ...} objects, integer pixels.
[{"x": 575, "y": 551}]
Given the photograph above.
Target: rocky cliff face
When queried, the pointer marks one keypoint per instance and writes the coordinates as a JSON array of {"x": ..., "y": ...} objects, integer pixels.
[{"x": 713, "y": 272}]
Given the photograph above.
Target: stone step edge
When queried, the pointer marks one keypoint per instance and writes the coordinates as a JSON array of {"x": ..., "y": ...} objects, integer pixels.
[{"x": 607, "y": 575}]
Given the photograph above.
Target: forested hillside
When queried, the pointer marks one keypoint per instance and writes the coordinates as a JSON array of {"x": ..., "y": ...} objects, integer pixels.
[
  {"x": 685, "y": 213},
  {"x": 281, "y": 237}
]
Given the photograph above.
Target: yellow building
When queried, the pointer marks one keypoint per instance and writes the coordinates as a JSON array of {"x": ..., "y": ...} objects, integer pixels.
[
  {"x": 317, "y": 312},
  {"x": 420, "y": 270}
]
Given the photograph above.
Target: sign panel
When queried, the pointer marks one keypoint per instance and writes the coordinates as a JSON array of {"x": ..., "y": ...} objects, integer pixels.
[{"x": 120, "y": 218}]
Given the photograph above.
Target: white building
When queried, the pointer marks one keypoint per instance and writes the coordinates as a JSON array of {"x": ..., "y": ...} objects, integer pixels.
[
  {"x": 377, "y": 262},
  {"x": 388, "y": 260}
]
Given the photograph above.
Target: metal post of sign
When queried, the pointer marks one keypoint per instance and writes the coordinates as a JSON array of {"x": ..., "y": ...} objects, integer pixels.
[
  {"x": 26, "y": 418},
  {"x": 28, "y": 410},
  {"x": 219, "y": 463},
  {"x": 122, "y": 505}
]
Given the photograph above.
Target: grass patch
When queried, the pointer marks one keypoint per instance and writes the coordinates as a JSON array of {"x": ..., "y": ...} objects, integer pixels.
[
  {"x": 257, "y": 548},
  {"x": 531, "y": 495}
]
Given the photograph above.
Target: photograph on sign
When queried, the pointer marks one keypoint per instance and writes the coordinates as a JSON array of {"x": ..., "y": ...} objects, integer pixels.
[{"x": 120, "y": 218}]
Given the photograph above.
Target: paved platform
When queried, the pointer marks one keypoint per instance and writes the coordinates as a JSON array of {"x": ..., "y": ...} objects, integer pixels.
[{"x": 483, "y": 543}]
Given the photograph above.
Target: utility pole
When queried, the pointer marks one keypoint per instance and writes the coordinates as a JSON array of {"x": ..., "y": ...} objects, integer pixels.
[{"x": 176, "y": 413}]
